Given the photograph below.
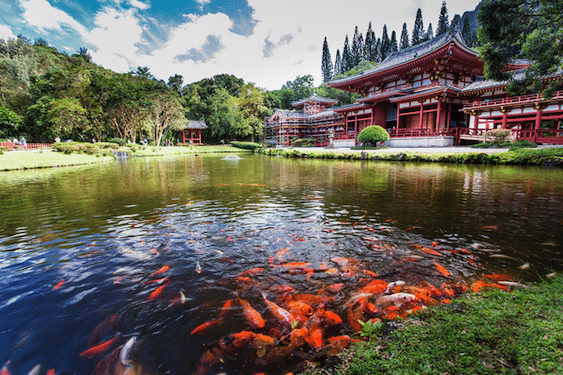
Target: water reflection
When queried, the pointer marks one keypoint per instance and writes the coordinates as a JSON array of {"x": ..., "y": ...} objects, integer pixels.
[{"x": 104, "y": 230}]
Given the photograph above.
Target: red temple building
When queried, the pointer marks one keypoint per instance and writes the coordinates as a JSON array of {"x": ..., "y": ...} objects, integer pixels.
[
  {"x": 192, "y": 132},
  {"x": 432, "y": 94}
]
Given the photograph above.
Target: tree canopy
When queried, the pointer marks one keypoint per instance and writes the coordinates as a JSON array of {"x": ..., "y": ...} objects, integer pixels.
[{"x": 521, "y": 29}]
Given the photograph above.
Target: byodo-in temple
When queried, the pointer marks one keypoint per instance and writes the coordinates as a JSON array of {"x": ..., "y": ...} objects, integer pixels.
[{"x": 432, "y": 94}]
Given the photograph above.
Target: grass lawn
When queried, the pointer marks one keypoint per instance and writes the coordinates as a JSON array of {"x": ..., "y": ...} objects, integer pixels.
[
  {"x": 161, "y": 151},
  {"x": 14, "y": 160},
  {"x": 492, "y": 332}
]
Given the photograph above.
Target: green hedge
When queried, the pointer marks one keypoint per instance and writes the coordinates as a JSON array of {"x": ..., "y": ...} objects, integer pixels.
[
  {"x": 303, "y": 142},
  {"x": 373, "y": 134},
  {"x": 101, "y": 148},
  {"x": 246, "y": 145}
]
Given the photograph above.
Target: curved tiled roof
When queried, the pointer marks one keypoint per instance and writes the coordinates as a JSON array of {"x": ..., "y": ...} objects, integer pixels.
[
  {"x": 196, "y": 125},
  {"x": 409, "y": 54},
  {"x": 314, "y": 98}
]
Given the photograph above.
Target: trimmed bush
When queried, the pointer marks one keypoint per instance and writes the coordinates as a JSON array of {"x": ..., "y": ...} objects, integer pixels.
[
  {"x": 373, "y": 134},
  {"x": 303, "y": 142},
  {"x": 246, "y": 145},
  {"x": 118, "y": 141},
  {"x": 497, "y": 135}
]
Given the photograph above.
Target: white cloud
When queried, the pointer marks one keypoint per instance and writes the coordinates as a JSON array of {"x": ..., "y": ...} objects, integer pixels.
[
  {"x": 6, "y": 33},
  {"x": 40, "y": 14},
  {"x": 140, "y": 5}
]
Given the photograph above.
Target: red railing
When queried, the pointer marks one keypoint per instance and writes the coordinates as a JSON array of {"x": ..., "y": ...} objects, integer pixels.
[
  {"x": 513, "y": 100},
  {"x": 423, "y": 132},
  {"x": 551, "y": 136},
  {"x": 28, "y": 146}
]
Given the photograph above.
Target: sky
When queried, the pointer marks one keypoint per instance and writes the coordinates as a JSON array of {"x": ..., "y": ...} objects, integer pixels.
[{"x": 266, "y": 42}]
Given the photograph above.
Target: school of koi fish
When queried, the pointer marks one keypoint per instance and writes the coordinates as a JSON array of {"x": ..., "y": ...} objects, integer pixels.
[{"x": 289, "y": 312}]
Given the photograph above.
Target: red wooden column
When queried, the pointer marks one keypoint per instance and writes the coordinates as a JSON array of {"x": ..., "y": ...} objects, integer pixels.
[
  {"x": 421, "y": 114},
  {"x": 438, "y": 113},
  {"x": 504, "y": 118},
  {"x": 537, "y": 122}
]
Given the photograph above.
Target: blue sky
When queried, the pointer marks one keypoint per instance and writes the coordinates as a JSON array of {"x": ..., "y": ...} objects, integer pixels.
[{"x": 267, "y": 42}]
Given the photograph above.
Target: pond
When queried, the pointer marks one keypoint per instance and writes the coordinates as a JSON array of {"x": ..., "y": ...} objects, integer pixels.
[{"x": 167, "y": 265}]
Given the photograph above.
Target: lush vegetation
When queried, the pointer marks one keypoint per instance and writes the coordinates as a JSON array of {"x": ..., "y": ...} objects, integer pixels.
[
  {"x": 246, "y": 145},
  {"x": 516, "y": 156},
  {"x": 372, "y": 135},
  {"x": 492, "y": 332}
]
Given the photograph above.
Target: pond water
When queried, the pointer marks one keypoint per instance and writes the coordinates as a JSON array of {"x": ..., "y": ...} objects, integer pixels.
[{"x": 152, "y": 248}]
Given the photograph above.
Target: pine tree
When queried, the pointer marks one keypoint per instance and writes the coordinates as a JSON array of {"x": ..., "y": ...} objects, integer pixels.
[
  {"x": 368, "y": 45},
  {"x": 443, "y": 23},
  {"x": 393, "y": 44},
  {"x": 430, "y": 33},
  {"x": 456, "y": 23},
  {"x": 357, "y": 47},
  {"x": 326, "y": 64},
  {"x": 466, "y": 32},
  {"x": 385, "y": 43},
  {"x": 337, "y": 64},
  {"x": 377, "y": 52},
  {"x": 361, "y": 54},
  {"x": 404, "y": 38},
  {"x": 347, "y": 59},
  {"x": 418, "y": 29}
]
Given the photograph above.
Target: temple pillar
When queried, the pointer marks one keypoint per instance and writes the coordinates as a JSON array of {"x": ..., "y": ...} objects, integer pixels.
[{"x": 504, "y": 117}]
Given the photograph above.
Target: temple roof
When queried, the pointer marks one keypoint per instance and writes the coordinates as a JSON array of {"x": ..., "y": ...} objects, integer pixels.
[
  {"x": 293, "y": 114},
  {"x": 196, "y": 125},
  {"x": 414, "y": 54},
  {"x": 481, "y": 84},
  {"x": 314, "y": 98}
]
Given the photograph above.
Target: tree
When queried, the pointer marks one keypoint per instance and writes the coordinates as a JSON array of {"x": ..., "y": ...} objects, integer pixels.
[
  {"x": 521, "y": 29},
  {"x": 326, "y": 63},
  {"x": 251, "y": 112},
  {"x": 347, "y": 58},
  {"x": 337, "y": 64},
  {"x": 385, "y": 43},
  {"x": 418, "y": 29},
  {"x": 430, "y": 33},
  {"x": 404, "y": 37},
  {"x": 456, "y": 22},
  {"x": 301, "y": 87},
  {"x": 443, "y": 22},
  {"x": 370, "y": 52},
  {"x": 373, "y": 134},
  {"x": 143, "y": 72},
  {"x": 166, "y": 113},
  {"x": 466, "y": 32},
  {"x": 176, "y": 82},
  {"x": 357, "y": 47},
  {"x": 9, "y": 122},
  {"x": 393, "y": 43},
  {"x": 83, "y": 53}
]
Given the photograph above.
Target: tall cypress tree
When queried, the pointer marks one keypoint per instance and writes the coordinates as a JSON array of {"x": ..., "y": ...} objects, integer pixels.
[
  {"x": 326, "y": 64},
  {"x": 347, "y": 62},
  {"x": 357, "y": 47},
  {"x": 466, "y": 32},
  {"x": 418, "y": 29},
  {"x": 385, "y": 43},
  {"x": 430, "y": 33},
  {"x": 404, "y": 38},
  {"x": 361, "y": 52},
  {"x": 377, "y": 52},
  {"x": 337, "y": 64},
  {"x": 456, "y": 23},
  {"x": 393, "y": 44},
  {"x": 443, "y": 23},
  {"x": 368, "y": 45}
]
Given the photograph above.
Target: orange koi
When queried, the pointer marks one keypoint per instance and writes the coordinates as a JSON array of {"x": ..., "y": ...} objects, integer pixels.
[
  {"x": 251, "y": 272},
  {"x": 441, "y": 269},
  {"x": 299, "y": 308},
  {"x": 355, "y": 313},
  {"x": 50, "y": 372},
  {"x": 388, "y": 220},
  {"x": 119, "y": 279},
  {"x": 477, "y": 286},
  {"x": 252, "y": 316},
  {"x": 295, "y": 265},
  {"x": 338, "y": 343},
  {"x": 161, "y": 270},
  {"x": 226, "y": 307},
  {"x": 489, "y": 228},
  {"x": 104, "y": 346},
  {"x": 156, "y": 281},
  {"x": 314, "y": 337},
  {"x": 313, "y": 299},
  {"x": 370, "y": 273},
  {"x": 430, "y": 251},
  {"x": 278, "y": 312},
  {"x": 106, "y": 325},
  {"x": 323, "y": 266},
  {"x": 433, "y": 290},
  {"x": 446, "y": 300},
  {"x": 203, "y": 327},
  {"x": 281, "y": 253},
  {"x": 499, "y": 277},
  {"x": 334, "y": 288},
  {"x": 157, "y": 292},
  {"x": 329, "y": 317},
  {"x": 59, "y": 284},
  {"x": 299, "y": 239},
  {"x": 448, "y": 290},
  {"x": 434, "y": 244},
  {"x": 374, "y": 287},
  {"x": 412, "y": 228},
  {"x": 259, "y": 341}
]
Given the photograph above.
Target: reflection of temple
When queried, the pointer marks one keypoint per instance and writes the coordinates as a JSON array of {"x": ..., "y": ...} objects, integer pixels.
[{"x": 429, "y": 94}]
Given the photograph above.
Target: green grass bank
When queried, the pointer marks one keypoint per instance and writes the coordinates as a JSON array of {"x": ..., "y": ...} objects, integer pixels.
[
  {"x": 17, "y": 160},
  {"x": 492, "y": 332},
  {"x": 518, "y": 156}
]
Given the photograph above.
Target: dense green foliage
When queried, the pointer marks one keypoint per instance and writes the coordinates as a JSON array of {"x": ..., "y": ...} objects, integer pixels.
[
  {"x": 521, "y": 29},
  {"x": 493, "y": 332},
  {"x": 246, "y": 145},
  {"x": 303, "y": 142},
  {"x": 516, "y": 156},
  {"x": 373, "y": 134}
]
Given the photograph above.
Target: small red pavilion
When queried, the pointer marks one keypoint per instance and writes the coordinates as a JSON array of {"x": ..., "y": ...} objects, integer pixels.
[{"x": 192, "y": 132}]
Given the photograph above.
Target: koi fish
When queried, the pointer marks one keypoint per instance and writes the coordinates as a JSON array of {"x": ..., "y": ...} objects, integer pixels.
[
  {"x": 104, "y": 346},
  {"x": 280, "y": 313},
  {"x": 441, "y": 269},
  {"x": 251, "y": 272},
  {"x": 204, "y": 327},
  {"x": 338, "y": 343},
  {"x": 512, "y": 284},
  {"x": 334, "y": 288},
  {"x": 106, "y": 325},
  {"x": 161, "y": 270},
  {"x": 35, "y": 370},
  {"x": 428, "y": 250},
  {"x": 226, "y": 307},
  {"x": 157, "y": 292},
  {"x": 396, "y": 299},
  {"x": 314, "y": 337},
  {"x": 300, "y": 308},
  {"x": 119, "y": 279},
  {"x": 252, "y": 316},
  {"x": 50, "y": 372},
  {"x": 198, "y": 267},
  {"x": 59, "y": 284},
  {"x": 124, "y": 354},
  {"x": 159, "y": 281}
]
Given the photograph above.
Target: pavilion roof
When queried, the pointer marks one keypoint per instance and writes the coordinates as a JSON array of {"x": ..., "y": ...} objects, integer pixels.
[
  {"x": 481, "y": 84},
  {"x": 196, "y": 125},
  {"x": 410, "y": 58},
  {"x": 314, "y": 98}
]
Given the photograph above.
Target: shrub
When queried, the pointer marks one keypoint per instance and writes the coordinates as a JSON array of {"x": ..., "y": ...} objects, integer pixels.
[
  {"x": 113, "y": 146},
  {"x": 69, "y": 147},
  {"x": 118, "y": 141},
  {"x": 246, "y": 145},
  {"x": 303, "y": 142},
  {"x": 497, "y": 135},
  {"x": 373, "y": 134}
]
